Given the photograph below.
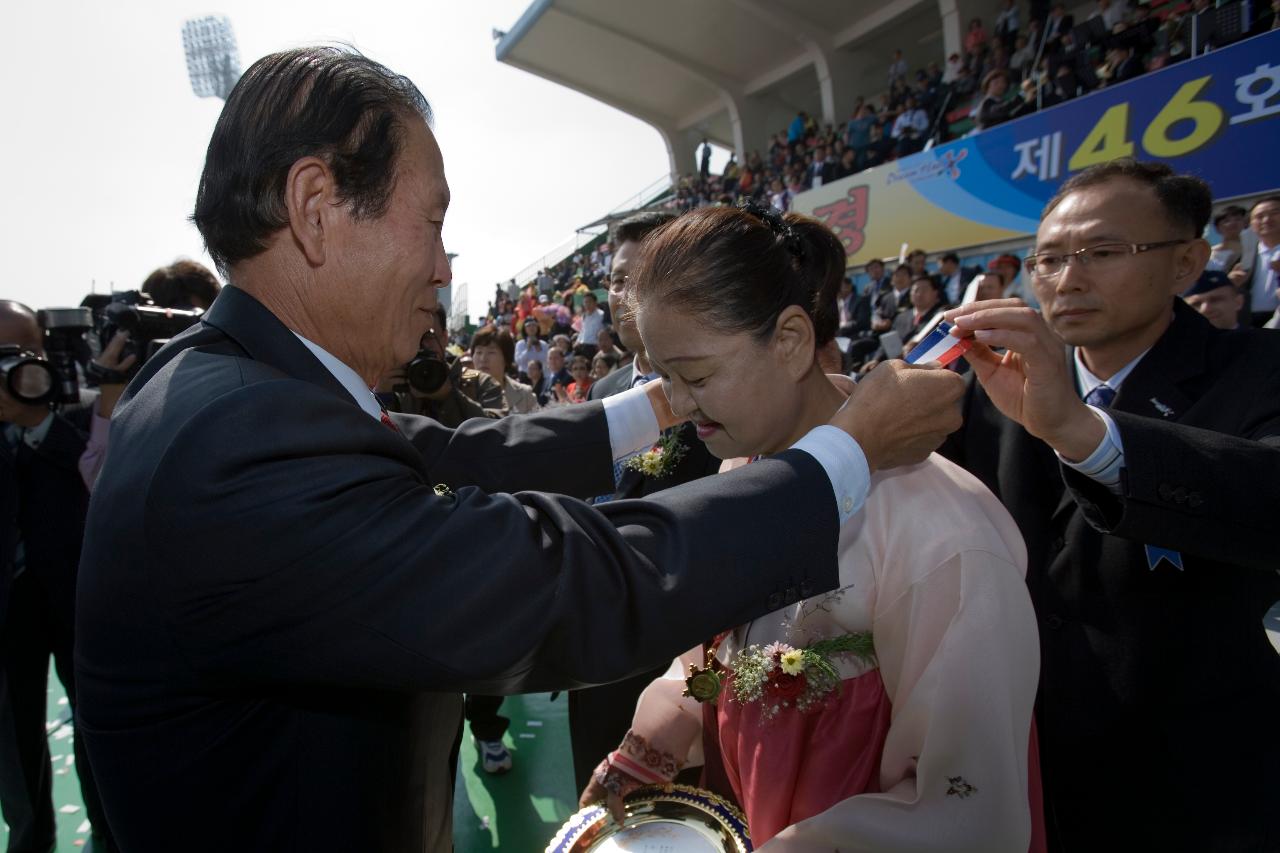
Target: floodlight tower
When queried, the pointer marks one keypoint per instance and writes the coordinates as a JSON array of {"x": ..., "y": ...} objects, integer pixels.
[{"x": 213, "y": 60}]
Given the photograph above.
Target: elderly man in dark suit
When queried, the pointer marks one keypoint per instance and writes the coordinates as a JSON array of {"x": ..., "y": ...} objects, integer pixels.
[
  {"x": 283, "y": 587},
  {"x": 1141, "y": 464}
]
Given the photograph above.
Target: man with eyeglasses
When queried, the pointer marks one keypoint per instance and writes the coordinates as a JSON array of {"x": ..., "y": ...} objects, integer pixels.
[
  {"x": 1138, "y": 447},
  {"x": 1258, "y": 272}
]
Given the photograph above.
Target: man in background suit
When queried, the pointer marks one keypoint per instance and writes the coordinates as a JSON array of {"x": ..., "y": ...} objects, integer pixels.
[
  {"x": 1257, "y": 274},
  {"x": 1140, "y": 466},
  {"x": 600, "y": 716},
  {"x": 284, "y": 586}
]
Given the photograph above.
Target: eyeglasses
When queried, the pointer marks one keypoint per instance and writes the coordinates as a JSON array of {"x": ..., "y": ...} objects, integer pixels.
[{"x": 1049, "y": 265}]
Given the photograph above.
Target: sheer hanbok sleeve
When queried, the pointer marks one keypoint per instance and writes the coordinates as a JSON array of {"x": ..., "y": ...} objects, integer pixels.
[{"x": 959, "y": 655}]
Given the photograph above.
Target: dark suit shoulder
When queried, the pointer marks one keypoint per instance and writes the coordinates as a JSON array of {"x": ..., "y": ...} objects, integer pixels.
[{"x": 615, "y": 383}]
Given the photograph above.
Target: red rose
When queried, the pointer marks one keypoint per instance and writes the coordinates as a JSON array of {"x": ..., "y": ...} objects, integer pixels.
[{"x": 783, "y": 686}]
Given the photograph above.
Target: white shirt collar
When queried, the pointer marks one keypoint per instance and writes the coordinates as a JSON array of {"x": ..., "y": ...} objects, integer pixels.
[
  {"x": 349, "y": 379},
  {"x": 1088, "y": 381}
]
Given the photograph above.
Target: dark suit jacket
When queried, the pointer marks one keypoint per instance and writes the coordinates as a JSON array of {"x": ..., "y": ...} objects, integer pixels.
[
  {"x": 270, "y": 585},
  {"x": 44, "y": 506},
  {"x": 1157, "y": 686}
]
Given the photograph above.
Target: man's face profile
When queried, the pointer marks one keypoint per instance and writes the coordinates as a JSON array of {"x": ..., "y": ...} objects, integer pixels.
[{"x": 385, "y": 271}]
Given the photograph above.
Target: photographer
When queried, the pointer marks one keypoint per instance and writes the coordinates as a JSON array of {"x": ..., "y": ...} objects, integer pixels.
[
  {"x": 186, "y": 287},
  {"x": 40, "y": 533},
  {"x": 445, "y": 391}
]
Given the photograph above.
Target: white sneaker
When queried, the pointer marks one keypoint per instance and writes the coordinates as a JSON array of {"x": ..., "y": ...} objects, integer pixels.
[{"x": 494, "y": 757}]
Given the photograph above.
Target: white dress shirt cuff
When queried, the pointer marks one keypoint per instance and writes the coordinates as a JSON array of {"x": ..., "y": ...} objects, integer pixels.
[
  {"x": 632, "y": 424},
  {"x": 845, "y": 464},
  {"x": 1104, "y": 464}
]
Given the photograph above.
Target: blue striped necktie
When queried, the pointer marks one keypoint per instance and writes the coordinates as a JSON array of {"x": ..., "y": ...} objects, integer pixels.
[{"x": 1102, "y": 396}]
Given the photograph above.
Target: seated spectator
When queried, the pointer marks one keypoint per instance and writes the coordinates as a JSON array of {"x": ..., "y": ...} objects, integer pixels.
[
  {"x": 1024, "y": 53},
  {"x": 557, "y": 373},
  {"x": 1006, "y": 26},
  {"x": 1111, "y": 13},
  {"x": 848, "y": 164},
  {"x": 530, "y": 347},
  {"x": 976, "y": 37},
  {"x": 1058, "y": 24},
  {"x": 954, "y": 64},
  {"x": 1026, "y": 104},
  {"x": 1122, "y": 65},
  {"x": 880, "y": 149},
  {"x": 492, "y": 352},
  {"x": 897, "y": 67},
  {"x": 562, "y": 343},
  {"x": 1216, "y": 297},
  {"x": 965, "y": 85},
  {"x": 779, "y": 196},
  {"x": 990, "y": 286},
  {"x": 602, "y": 365},
  {"x": 994, "y": 108},
  {"x": 581, "y": 384},
  {"x": 911, "y": 127},
  {"x": 539, "y": 383},
  {"x": 823, "y": 169},
  {"x": 607, "y": 343}
]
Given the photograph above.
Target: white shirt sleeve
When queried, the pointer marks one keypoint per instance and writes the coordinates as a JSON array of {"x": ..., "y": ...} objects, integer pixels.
[
  {"x": 845, "y": 464},
  {"x": 632, "y": 424},
  {"x": 1104, "y": 464}
]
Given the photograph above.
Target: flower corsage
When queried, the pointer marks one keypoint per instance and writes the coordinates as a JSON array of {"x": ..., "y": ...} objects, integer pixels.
[
  {"x": 780, "y": 676},
  {"x": 659, "y": 460}
]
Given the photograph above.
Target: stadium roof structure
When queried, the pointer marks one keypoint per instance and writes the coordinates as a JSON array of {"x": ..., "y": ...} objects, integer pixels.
[{"x": 732, "y": 71}]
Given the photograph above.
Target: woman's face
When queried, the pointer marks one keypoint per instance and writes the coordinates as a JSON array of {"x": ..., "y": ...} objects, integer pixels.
[
  {"x": 735, "y": 388},
  {"x": 488, "y": 359},
  {"x": 580, "y": 371},
  {"x": 534, "y": 369}
]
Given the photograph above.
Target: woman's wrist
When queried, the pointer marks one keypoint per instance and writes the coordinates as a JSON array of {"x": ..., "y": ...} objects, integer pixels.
[{"x": 635, "y": 764}]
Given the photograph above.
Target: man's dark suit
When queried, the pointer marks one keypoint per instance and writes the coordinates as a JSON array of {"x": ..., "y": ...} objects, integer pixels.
[
  {"x": 1158, "y": 690},
  {"x": 600, "y": 716},
  {"x": 270, "y": 585},
  {"x": 44, "y": 507}
]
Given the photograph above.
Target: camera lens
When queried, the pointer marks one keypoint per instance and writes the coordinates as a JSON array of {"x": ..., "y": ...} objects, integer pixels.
[
  {"x": 427, "y": 373},
  {"x": 27, "y": 378}
]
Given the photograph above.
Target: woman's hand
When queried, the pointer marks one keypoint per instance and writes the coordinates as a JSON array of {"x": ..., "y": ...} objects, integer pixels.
[{"x": 610, "y": 786}]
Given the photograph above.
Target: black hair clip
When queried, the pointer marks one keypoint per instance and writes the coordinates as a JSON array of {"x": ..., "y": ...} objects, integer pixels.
[{"x": 772, "y": 217}]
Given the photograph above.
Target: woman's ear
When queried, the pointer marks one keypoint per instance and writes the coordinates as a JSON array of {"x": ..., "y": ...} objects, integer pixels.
[{"x": 793, "y": 341}]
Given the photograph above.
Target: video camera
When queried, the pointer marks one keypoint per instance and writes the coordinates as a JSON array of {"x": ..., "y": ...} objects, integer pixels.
[{"x": 149, "y": 325}]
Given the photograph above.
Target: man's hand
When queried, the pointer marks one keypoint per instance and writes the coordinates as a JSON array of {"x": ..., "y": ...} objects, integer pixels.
[
  {"x": 1030, "y": 382},
  {"x": 109, "y": 393},
  {"x": 899, "y": 414},
  {"x": 662, "y": 406}
]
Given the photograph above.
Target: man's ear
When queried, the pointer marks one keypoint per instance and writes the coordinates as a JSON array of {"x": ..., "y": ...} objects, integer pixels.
[
  {"x": 309, "y": 194},
  {"x": 1189, "y": 264},
  {"x": 793, "y": 341}
]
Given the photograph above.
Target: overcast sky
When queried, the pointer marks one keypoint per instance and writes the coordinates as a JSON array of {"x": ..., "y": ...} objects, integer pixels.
[{"x": 103, "y": 138}]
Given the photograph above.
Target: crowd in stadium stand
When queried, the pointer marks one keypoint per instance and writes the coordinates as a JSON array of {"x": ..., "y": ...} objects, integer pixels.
[{"x": 1012, "y": 65}]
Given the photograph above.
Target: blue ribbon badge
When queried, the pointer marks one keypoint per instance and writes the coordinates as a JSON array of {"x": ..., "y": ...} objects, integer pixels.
[{"x": 1156, "y": 554}]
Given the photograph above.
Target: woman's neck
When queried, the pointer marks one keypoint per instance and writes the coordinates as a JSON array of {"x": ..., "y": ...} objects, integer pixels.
[{"x": 819, "y": 400}]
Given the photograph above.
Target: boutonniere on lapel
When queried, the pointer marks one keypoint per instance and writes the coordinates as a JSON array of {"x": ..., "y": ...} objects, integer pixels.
[{"x": 659, "y": 460}]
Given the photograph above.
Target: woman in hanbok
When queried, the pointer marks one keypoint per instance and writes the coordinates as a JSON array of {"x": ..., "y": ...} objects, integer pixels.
[{"x": 895, "y": 713}]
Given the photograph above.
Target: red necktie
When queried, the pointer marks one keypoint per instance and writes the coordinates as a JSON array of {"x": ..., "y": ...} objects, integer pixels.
[{"x": 388, "y": 423}]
